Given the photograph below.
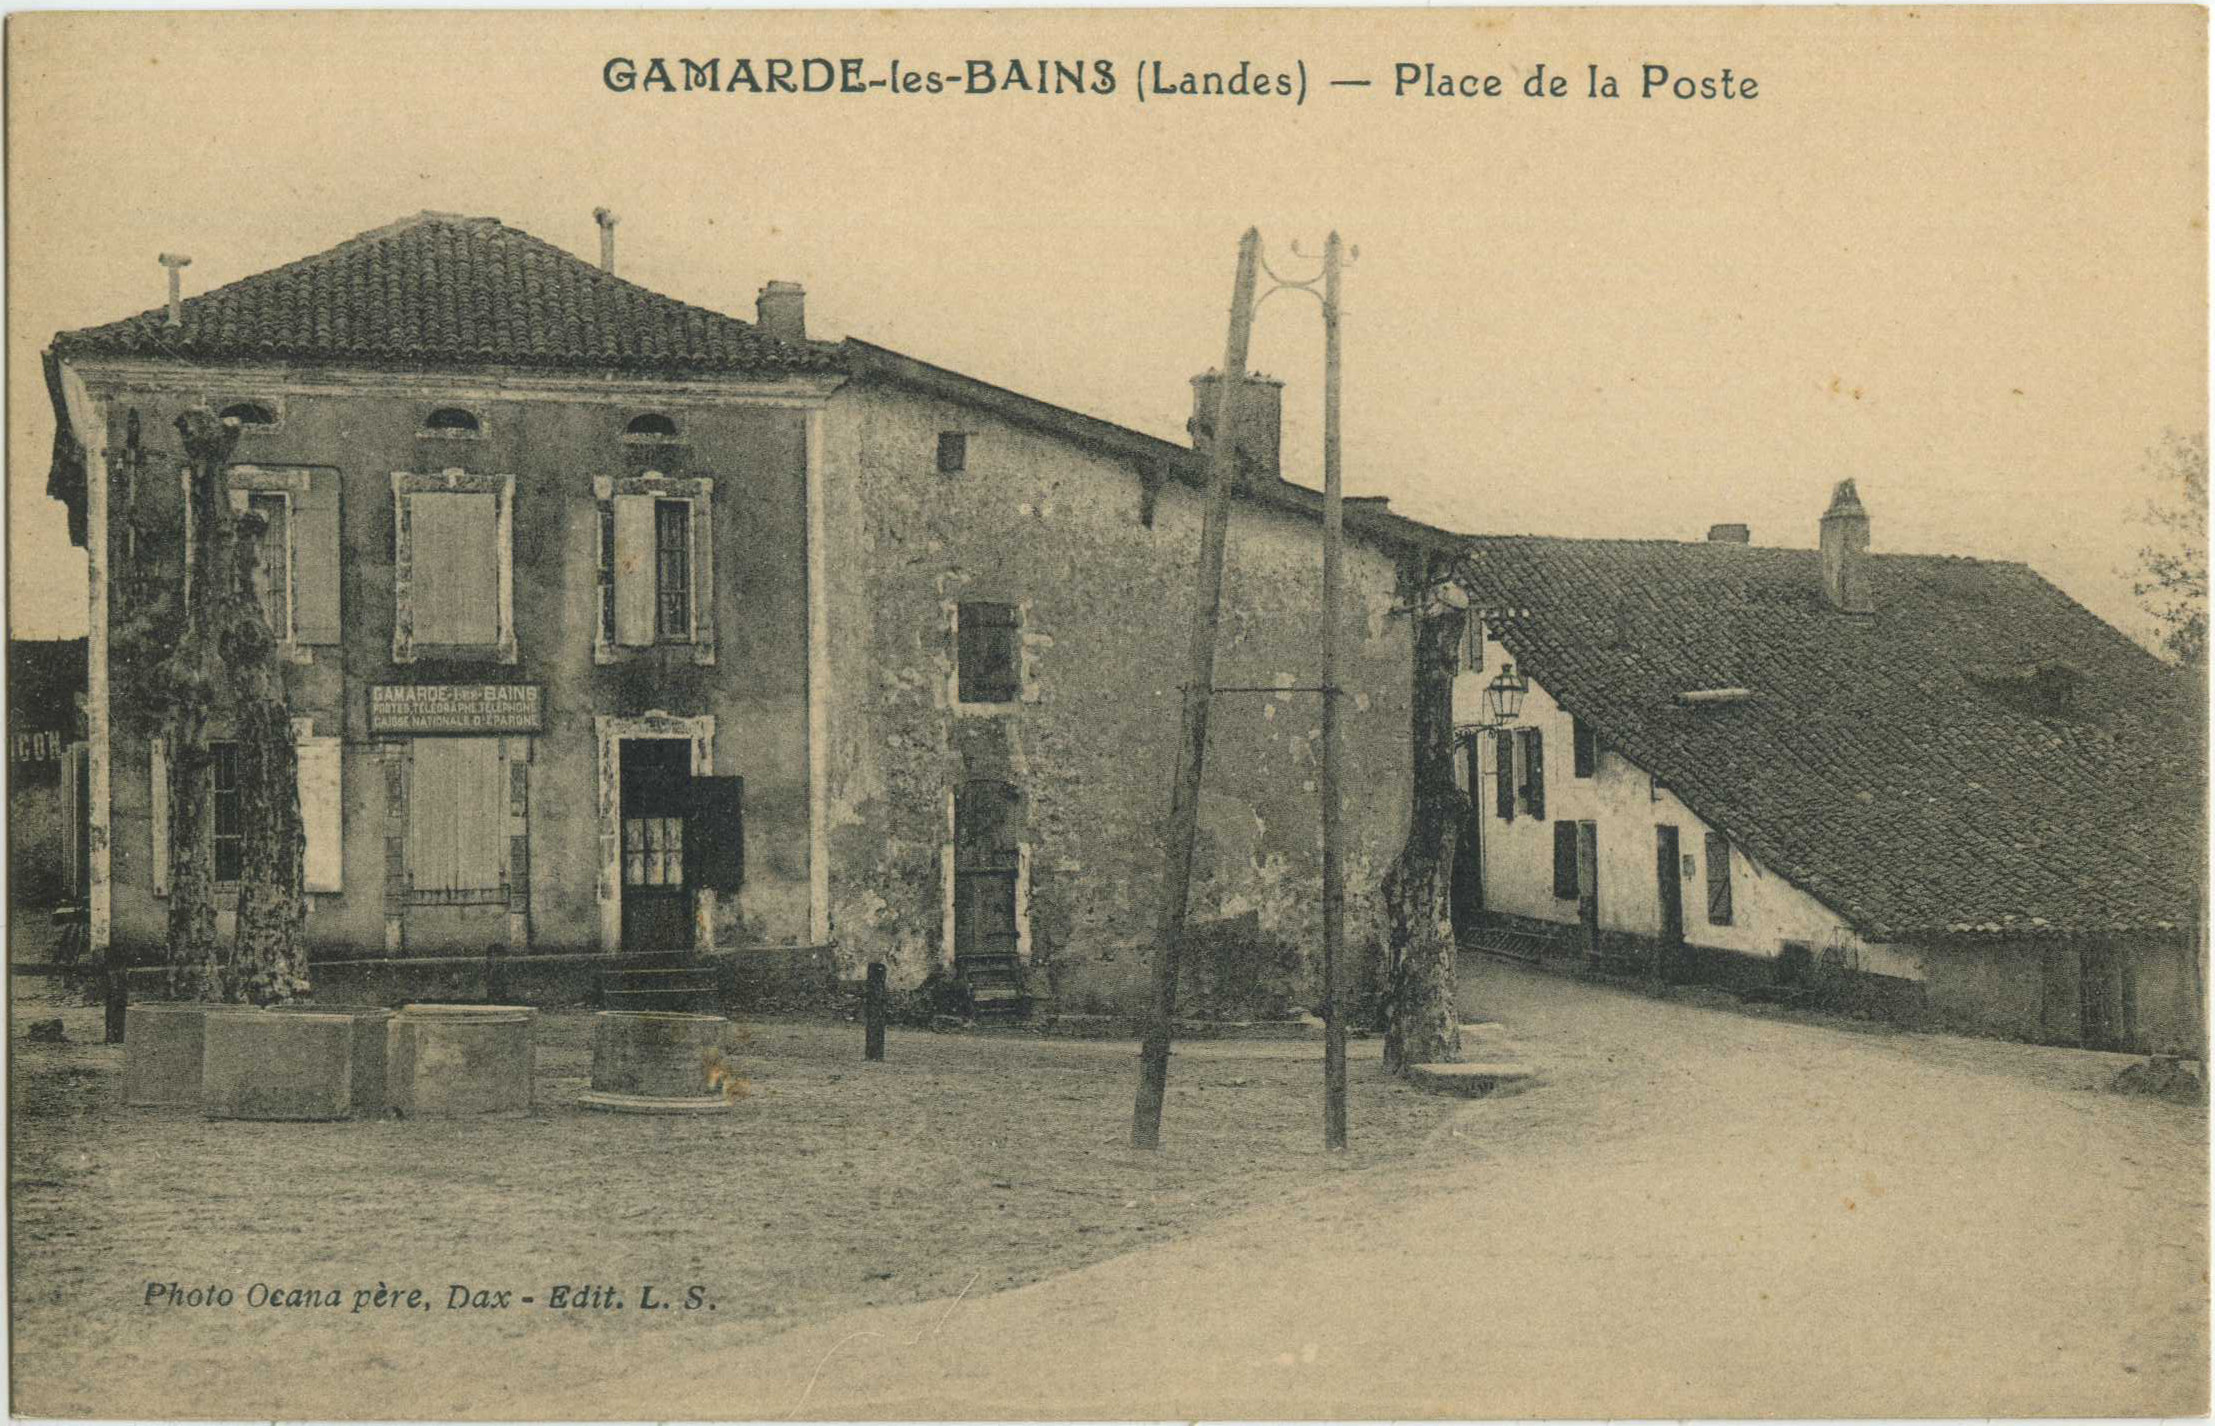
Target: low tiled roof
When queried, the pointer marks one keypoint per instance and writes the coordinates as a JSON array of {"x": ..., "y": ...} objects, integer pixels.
[
  {"x": 1980, "y": 755},
  {"x": 442, "y": 289}
]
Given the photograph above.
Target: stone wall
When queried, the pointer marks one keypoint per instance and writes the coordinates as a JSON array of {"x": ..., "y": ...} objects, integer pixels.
[{"x": 1102, "y": 577}]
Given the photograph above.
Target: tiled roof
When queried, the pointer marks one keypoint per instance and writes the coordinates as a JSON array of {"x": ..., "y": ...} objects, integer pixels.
[
  {"x": 1910, "y": 768},
  {"x": 441, "y": 289}
]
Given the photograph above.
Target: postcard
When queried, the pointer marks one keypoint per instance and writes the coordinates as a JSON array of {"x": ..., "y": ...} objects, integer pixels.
[{"x": 1060, "y": 714}]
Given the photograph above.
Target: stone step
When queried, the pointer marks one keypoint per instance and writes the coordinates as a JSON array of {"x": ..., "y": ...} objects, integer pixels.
[{"x": 1472, "y": 1081}]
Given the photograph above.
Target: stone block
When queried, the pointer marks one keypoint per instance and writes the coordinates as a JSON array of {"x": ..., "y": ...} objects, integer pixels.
[
  {"x": 655, "y": 1062},
  {"x": 256, "y": 1065},
  {"x": 370, "y": 1046},
  {"x": 460, "y": 1060},
  {"x": 162, "y": 1046}
]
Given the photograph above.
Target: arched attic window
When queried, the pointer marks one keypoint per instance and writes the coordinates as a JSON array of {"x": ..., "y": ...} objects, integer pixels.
[
  {"x": 250, "y": 415},
  {"x": 651, "y": 426},
  {"x": 451, "y": 421}
]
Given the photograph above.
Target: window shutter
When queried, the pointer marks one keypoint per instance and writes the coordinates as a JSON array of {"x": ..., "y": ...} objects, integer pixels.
[
  {"x": 1588, "y": 876},
  {"x": 455, "y": 567},
  {"x": 1718, "y": 879},
  {"x": 1565, "y": 861},
  {"x": 320, "y": 811},
  {"x": 315, "y": 560},
  {"x": 715, "y": 833},
  {"x": 1585, "y": 750},
  {"x": 457, "y": 806},
  {"x": 635, "y": 566},
  {"x": 157, "y": 802},
  {"x": 1503, "y": 750},
  {"x": 1535, "y": 770}
]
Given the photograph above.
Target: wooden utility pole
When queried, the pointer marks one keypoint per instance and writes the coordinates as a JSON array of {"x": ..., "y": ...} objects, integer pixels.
[
  {"x": 1199, "y": 692},
  {"x": 1334, "y": 882}
]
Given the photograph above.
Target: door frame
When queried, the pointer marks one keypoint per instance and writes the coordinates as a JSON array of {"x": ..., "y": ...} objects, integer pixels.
[{"x": 610, "y": 734}]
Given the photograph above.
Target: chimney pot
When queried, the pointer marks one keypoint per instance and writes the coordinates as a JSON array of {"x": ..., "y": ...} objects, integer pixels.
[
  {"x": 1259, "y": 419},
  {"x": 607, "y": 222},
  {"x": 781, "y": 311},
  {"x": 1845, "y": 546},
  {"x": 1729, "y": 535},
  {"x": 174, "y": 262}
]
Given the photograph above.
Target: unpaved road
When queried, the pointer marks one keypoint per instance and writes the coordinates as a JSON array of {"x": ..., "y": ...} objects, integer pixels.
[{"x": 1699, "y": 1212}]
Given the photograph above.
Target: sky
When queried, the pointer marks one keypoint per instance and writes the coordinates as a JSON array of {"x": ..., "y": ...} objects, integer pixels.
[{"x": 1959, "y": 256}]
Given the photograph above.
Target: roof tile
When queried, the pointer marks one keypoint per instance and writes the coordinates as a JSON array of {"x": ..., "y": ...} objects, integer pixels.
[
  {"x": 1898, "y": 766},
  {"x": 440, "y": 289}
]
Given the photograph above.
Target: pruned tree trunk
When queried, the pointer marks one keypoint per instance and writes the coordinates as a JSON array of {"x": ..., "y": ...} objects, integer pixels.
[
  {"x": 190, "y": 682},
  {"x": 1421, "y": 1023},
  {"x": 269, "y": 964},
  {"x": 226, "y": 660}
]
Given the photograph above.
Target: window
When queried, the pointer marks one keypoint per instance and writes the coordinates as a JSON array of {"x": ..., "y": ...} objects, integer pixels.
[
  {"x": 1565, "y": 861},
  {"x": 1718, "y": 879},
  {"x": 319, "y": 809},
  {"x": 457, "y": 820},
  {"x": 250, "y": 415},
  {"x": 1530, "y": 770},
  {"x": 990, "y": 657},
  {"x": 607, "y": 574},
  {"x": 673, "y": 569},
  {"x": 652, "y": 426},
  {"x": 987, "y": 864},
  {"x": 1472, "y": 641},
  {"x": 273, "y": 563},
  {"x": 1504, "y": 743},
  {"x": 656, "y": 573},
  {"x": 451, "y": 421},
  {"x": 453, "y": 576},
  {"x": 1586, "y": 747},
  {"x": 229, "y": 838},
  {"x": 953, "y": 452},
  {"x": 297, "y": 564}
]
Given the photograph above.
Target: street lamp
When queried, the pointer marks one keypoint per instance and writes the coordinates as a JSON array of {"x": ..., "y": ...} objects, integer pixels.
[{"x": 1503, "y": 696}]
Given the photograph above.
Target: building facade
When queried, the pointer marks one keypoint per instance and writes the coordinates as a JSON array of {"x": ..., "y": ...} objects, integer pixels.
[
  {"x": 1934, "y": 786},
  {"x": 611, "y": 624}
]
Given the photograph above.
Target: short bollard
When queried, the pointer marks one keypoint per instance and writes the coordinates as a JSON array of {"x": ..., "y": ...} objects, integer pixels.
[{"x": 872, "y": 1013}]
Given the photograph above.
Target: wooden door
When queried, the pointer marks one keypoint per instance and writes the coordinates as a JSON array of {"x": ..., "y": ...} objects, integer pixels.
[
  {"x": 1669, "y": 886},
  {"x": 2105, "y": 995},
  {"x": 657, "y": 890}
]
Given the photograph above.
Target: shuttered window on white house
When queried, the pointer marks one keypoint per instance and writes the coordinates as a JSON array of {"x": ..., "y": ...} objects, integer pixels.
[{"x": 457, "y": 819}]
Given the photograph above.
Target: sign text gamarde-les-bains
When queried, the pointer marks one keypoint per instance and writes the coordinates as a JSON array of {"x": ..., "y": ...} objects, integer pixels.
[{"x": 454, "y": 708}]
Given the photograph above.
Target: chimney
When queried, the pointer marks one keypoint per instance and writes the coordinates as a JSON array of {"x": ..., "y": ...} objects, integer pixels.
[
  {"x": 781, "y": 311},
  {"x": 607, "y": 222},
  {"x": 1729, "y": 535},
  {"x": 1846, "y": 552},
  {"x": 1260, "y": 421},
  {"x": 175, "y": 262}
]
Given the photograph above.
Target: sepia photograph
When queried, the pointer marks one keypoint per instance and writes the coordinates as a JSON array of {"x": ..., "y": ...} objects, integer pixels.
[{"x": 1131, "y": 714}]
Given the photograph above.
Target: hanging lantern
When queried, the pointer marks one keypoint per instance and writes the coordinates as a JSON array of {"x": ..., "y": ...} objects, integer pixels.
[{"x": 1504, "y": 696}]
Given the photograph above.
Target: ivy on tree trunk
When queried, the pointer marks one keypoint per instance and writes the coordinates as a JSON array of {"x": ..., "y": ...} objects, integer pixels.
[
  {"x": 1421, "y": 1022},
  {"x": 225, "y": 660}
]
